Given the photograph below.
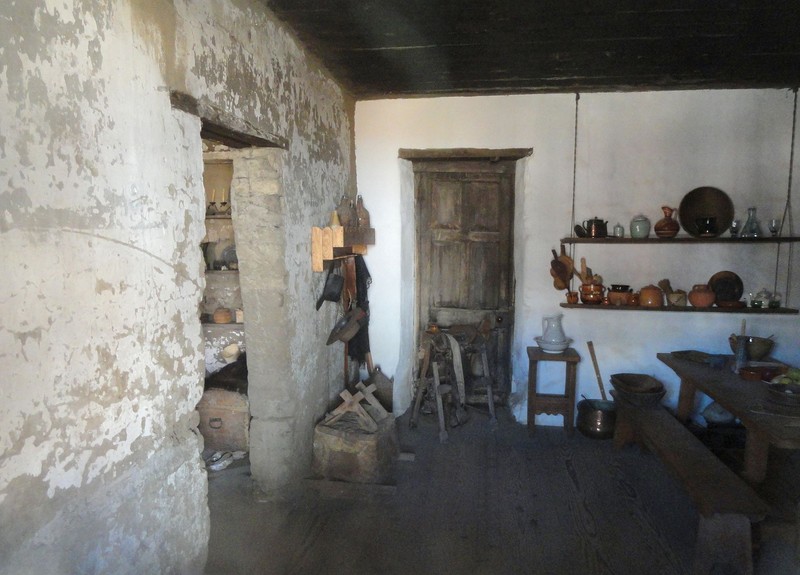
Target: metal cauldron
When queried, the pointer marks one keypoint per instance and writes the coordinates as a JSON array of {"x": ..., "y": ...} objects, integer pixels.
[{"x": 596, "y": 418}]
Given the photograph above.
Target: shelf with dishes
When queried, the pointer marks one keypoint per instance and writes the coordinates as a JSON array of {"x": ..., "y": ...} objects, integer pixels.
[
  {"x": 682, "y": 309},
  {"x": 680, "y": 240}
]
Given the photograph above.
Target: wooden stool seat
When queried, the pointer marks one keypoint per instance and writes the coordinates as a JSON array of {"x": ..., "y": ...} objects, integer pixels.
[{"x": 552, "y": 404}]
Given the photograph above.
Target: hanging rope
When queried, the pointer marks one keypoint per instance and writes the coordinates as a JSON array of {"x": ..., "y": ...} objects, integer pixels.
[
  {"x": 787, "y": 214},
  {"x": 574, "y": 172}
]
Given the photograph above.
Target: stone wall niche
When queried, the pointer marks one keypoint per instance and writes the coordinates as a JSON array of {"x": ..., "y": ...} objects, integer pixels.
[{"x": 258, "y": 215}]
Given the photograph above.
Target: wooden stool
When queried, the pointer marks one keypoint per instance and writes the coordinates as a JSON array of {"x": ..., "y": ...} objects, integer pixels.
[{"x": 549, "y": 403}]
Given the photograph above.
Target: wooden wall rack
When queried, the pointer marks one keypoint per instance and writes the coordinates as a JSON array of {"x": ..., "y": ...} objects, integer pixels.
[{"x": 334, "y": 242}]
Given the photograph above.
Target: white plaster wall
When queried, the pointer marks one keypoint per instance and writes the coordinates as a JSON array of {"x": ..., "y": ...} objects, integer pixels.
[
  {"x": 636, "y": 152},
  {"x": 101, "y": 217}
]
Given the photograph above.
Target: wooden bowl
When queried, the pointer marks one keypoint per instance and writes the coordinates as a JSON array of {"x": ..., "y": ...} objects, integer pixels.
[{"x": 757, "y": 347}]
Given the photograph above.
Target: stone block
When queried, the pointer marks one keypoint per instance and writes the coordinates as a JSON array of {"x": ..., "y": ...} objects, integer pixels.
[{"x": 344, "y": 451}]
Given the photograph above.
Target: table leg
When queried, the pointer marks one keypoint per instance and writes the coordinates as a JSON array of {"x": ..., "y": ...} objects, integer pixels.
[
  {"x": 569, "y": 391},
  {"x": 624, "y": 432},
  {"x": 532, "y": 396},
  {"x": 685, "y": 400},
  {"x": 756, "y": 452}
]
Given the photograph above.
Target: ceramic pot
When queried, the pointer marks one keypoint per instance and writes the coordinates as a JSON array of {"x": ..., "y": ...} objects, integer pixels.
[
  {"x": 572, "y": 297},
  {"x": 592, "y": 293},
  {"x": 651, "y": 296},
  {"x": 222, "y": 315},
  {"x": 666, "y": 227},
  {"x": 640, "y": 226},
  {"x": 702, "y": 296},
  {"x": 619, "y": 294}
]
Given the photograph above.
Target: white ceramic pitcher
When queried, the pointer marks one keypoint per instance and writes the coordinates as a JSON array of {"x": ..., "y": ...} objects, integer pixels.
[{"x": 552, "y": 332}]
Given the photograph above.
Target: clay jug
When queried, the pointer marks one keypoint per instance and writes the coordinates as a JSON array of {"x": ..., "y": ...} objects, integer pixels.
[
  {"x": 552, "y": 332},
  {"x": 667, "y": 227}
]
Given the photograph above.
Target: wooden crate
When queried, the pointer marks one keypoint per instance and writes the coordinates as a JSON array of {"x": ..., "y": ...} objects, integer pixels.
[{"x": 224, "y": 420}]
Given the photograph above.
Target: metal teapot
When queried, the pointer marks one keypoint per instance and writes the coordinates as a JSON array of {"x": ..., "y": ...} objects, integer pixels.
[{"x": 596, "y": 228}]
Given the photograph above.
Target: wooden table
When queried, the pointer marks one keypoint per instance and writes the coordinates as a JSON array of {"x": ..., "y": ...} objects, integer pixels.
[
  {"x": 552, "y": 404},
  {"x": 766, "y": 422}
]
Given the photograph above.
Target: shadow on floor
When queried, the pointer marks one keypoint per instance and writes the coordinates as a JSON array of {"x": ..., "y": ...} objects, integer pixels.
[{"x": 490, "y": 501}]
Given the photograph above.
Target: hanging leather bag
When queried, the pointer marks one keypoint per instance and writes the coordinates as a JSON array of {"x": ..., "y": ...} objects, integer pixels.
[{"x": 332, "y": 291}]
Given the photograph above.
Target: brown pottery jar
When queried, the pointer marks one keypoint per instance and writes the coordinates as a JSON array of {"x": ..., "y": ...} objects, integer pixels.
[
  {"x": 651, "y": 296},
  {"x": 702, "y": 296},
  {"x": 667, "y": 227}
]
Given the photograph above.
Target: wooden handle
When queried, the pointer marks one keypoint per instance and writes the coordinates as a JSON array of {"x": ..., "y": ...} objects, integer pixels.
[{"x": 597, "y": 370}]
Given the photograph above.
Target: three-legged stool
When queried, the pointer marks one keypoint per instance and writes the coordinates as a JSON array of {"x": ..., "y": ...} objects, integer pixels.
[{"x": 549, "y": 403}]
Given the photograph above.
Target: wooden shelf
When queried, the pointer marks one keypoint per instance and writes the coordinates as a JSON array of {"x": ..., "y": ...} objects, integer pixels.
[
  {"x": 679, "y": 240},
  {"x": 714, "y": 309},
  {"x": 337, "y": 242},
  {"x": 219, "y": 217}
]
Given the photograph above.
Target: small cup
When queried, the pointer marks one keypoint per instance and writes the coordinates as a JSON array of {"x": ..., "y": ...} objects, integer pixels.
[
  {"x": 736, "y": 225},
  {"x": 572, "y": 297}
]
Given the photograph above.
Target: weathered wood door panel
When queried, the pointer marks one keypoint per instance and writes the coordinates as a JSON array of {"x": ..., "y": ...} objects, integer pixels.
[{"x": 464, "y": 240}]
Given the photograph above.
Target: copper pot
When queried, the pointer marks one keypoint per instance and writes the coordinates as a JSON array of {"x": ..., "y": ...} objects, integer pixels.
[{"x": 596, "y": 418}]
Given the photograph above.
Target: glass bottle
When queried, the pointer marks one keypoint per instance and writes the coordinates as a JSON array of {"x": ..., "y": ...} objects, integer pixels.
[
  {"x": 346, "y": 212},
  {"x": 362, "y": 215},
  {"x": 751, "y": 228}
]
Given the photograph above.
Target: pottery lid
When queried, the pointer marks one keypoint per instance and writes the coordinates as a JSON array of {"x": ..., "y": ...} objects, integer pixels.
[{"x": 640, "y": 218}]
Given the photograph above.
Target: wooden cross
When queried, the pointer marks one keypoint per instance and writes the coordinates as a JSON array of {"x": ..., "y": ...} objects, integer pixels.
[
  {"x": 352, "y": 403},
  {"x": 379, "y": 412}
]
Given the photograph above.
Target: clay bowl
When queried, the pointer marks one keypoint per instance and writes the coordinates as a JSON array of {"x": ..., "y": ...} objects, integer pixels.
[{"x": 757, "y": 347}]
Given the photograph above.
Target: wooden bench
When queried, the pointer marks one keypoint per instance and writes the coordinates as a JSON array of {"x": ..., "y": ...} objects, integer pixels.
[{"x": 726, "y": 504}]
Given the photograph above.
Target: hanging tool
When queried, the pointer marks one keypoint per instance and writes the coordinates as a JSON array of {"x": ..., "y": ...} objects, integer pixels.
[{"x": 560, "y": 272}]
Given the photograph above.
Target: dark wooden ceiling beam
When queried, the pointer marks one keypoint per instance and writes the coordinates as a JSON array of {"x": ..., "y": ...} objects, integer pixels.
[{"x": 390, "y": 47}]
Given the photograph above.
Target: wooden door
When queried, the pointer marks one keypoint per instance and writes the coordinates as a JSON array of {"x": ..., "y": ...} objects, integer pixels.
[{"x": 465, "y": 214}]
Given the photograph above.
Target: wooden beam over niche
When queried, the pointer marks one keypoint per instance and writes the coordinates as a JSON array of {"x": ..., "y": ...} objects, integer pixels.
[
  {"x": 464, "y": 154},
  {"x": 223, "y": 127}
]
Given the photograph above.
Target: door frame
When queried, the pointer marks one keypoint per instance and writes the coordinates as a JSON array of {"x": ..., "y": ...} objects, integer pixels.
[{"x": 449, "y": 155}]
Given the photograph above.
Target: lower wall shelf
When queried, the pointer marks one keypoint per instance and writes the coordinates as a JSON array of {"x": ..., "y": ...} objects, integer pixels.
[{"x": 747, "y": 310}]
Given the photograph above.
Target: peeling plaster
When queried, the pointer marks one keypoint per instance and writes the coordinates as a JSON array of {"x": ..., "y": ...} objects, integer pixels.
[{"x": 101, "y": 216}]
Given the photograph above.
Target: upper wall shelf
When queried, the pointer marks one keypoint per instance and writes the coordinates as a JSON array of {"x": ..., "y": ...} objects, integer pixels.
[{"x": 679, "y": 240}]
